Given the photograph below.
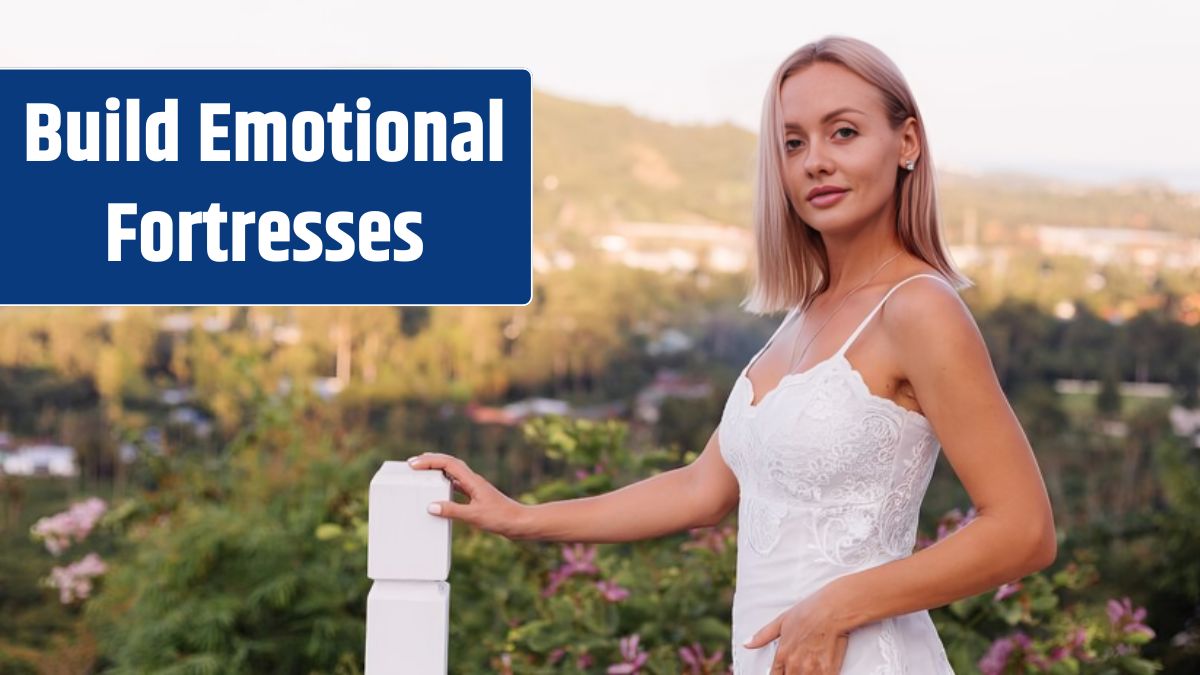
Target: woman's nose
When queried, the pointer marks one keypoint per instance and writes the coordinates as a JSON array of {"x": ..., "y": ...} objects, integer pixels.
[{"x": 816, "y": 161}]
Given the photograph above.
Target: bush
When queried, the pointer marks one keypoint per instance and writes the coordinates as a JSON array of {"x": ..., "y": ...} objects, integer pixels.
[{"x": 257, "y": 563}]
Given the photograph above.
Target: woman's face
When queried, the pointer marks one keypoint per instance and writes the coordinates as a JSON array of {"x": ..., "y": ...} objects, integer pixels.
[{"x": 836, "y": 134}]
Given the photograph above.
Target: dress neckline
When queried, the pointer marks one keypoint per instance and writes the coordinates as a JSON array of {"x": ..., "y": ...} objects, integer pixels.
[
  {"x": 860, "y": 385},
  {"x": 838, "y": 356}
]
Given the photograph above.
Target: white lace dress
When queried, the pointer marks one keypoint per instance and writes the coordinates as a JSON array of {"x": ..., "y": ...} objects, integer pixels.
[{"x": 831, "y": 479}]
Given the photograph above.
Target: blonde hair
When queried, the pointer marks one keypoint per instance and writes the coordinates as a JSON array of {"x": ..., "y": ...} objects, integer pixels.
[{"x": 789, "y": 252}]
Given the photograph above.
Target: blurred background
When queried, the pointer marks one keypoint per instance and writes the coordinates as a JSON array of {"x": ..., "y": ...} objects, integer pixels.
[{"x": 182, "y": 489}]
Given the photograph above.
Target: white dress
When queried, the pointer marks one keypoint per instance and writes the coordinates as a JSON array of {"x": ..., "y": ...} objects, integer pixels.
[{"x": 831, "y": 478}]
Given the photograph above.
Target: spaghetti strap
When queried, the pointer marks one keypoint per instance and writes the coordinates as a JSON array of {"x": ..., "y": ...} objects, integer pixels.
[{"x": 861, "y": 326}]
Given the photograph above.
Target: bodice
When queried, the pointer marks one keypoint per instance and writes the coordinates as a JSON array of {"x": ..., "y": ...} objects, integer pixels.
[{"x": 831, "y": 479}]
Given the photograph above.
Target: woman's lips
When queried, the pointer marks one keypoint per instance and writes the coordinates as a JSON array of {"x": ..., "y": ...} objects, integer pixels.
[{"x": 828, "y": 199}]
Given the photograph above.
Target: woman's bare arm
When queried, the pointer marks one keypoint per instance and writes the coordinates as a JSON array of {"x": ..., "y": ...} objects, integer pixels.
[
  {"x": 1014, "y": 533},
  {"x": 698, "y": 494}
]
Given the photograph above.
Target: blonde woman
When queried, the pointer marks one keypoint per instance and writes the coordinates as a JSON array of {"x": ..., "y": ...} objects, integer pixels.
[{"x": 830, "y": 434}]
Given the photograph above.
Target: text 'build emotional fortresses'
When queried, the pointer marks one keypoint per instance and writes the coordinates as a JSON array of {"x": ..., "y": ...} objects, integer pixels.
[{"x": 256, "y": 136}]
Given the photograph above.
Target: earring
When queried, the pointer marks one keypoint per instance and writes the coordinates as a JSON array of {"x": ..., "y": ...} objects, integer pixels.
[{"x": 910, "y": 164}]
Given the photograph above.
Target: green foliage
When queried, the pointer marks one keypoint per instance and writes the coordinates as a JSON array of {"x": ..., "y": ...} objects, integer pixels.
[
  {"x": 1060, "y": 624},
  {"x": 32, "y": 621},
  {"x": 1108, "y": 402},
  {"x": 254, "y": 561},
  {"x": 679, "y": 587},
  {"x": 222, "y": 571},
  {"x": 515, "y": 610}
]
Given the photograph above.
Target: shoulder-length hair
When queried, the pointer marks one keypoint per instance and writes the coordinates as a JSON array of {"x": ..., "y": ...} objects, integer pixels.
[{"x": 792, "y": 264}]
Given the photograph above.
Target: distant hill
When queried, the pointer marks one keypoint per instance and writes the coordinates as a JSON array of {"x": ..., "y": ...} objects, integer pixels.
[
  {"x": 594, "y": 164},
  {"x": 604, "y": 163},
  {"x": 1012, "y": 199}
]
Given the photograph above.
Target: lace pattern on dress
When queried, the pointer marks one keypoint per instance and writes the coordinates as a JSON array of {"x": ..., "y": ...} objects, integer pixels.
[
  {"x": 851, "y": 471},
  {"x": 889, "y": 649},
  {"x": 862, "y": 509},
  {"x": 763, "y": 520},
  {"x": 902, "y": 507}
]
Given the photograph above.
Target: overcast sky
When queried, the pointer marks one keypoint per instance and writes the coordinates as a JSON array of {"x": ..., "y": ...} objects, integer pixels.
[{"x": 1095, "y": 91}]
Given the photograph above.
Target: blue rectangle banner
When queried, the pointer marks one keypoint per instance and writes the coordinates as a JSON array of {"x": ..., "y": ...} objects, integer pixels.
[{"x": 266, "y": 187}]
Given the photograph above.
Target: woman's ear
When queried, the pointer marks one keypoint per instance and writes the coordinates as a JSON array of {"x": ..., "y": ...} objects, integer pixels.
[{"x": 910, "y": 141}]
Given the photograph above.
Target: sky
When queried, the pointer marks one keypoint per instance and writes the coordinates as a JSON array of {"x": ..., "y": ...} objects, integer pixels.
[{"x": 1098, "y": 92}]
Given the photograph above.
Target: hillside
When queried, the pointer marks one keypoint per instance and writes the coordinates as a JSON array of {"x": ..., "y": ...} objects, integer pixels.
[{"x": 595, "y": 164}]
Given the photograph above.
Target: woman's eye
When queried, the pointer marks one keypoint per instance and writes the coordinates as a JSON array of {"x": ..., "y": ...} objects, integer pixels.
[{"x": 794, "y": 143}]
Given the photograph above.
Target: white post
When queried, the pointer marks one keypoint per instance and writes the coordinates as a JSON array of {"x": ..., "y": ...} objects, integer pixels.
[{"x": 408, "y": 557}]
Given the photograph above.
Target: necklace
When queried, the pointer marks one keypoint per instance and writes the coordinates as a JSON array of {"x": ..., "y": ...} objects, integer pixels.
[{"x": 792, "y": 358}]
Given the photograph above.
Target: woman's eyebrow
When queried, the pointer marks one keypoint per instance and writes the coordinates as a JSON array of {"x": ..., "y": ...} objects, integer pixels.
[{"x": 827, "y": 117}]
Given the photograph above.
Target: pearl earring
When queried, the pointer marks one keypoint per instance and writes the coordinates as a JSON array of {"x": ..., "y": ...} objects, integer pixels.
[{"x": 910, "y": 164}]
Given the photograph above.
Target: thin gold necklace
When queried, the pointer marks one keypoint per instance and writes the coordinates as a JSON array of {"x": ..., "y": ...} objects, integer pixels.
[{"x": 792, "y": 358}]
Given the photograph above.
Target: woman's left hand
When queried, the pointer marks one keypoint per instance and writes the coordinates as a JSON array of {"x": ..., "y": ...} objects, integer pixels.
[{"x": 812, "y": 641}]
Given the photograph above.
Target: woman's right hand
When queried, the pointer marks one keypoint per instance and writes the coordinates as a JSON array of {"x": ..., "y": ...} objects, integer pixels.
[{"x": 488, "y": 508}]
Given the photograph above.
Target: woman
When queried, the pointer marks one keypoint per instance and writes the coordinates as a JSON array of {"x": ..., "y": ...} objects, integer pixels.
[{"x": 830, "y": 434}]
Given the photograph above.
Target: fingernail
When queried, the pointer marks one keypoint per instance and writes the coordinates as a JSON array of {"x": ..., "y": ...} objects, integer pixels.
[{"x": 434, "y": 508}]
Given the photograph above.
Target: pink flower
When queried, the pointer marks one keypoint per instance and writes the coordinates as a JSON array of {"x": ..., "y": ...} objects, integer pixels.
[
  {"x": 950, "y": 522},
  {"x": 581, "y": 558},
  {"x": 953, "y": 521},
  {"x": 1002, "y": 652},
  {"x": 584, "y": 660},
  {"x": 578, "y": 559},
  {"x": 75, "y": 523},
  {"x": 74, "y": 582},
  {"x": 1074, "y": 646},
  {"x": 1125, "y": 618},
  {"x": 997, "y": 657},
  {"x": 611, "y": 591},
  {"x": 1079, "y": 638},
  {"x": 693, "y": 656},
  {"x": 714, "y": 539},
  {"x": 634, "y": 658},
  {"x": 1058, "y": 654},
  {"x": 1007, "y": 590},
  {"x": 557, "y": 577},
  {"x": 581, "y": 474}
]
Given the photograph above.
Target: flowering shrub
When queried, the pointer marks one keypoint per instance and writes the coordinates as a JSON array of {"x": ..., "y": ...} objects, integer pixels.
[
  {"x": 74, "y": 524},
  {"x": 663, "y": 606},
  {"x": 1040, "y": 624},
  {"x": 74, "y": 582},
  {"x": 699, "y": 664},
  {"x": 1080, "y": 645},
  {"x": 584, "y": 608},
  {"x": 633, "y": 658},
  {"x": 259, "y": 566},
  {"x": 58, "y": 532}
]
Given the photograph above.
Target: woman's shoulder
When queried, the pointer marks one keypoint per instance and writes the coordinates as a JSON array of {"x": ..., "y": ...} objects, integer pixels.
[
  {"x": 927, "y": 273},
  {"x": 927, "y": 296},
  {"x": 913, "y": 276}
]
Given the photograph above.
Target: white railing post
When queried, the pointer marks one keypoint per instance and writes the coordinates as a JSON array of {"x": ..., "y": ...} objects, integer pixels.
[{"x": 408, "y": 557}]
